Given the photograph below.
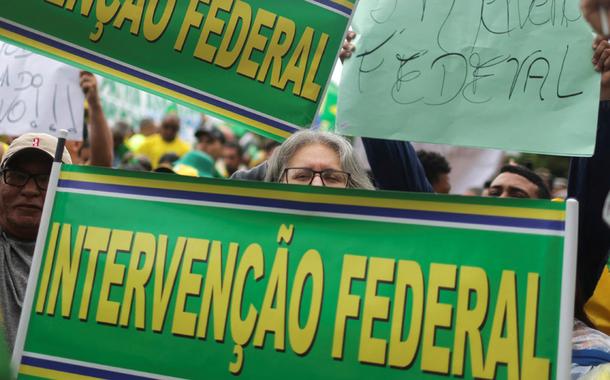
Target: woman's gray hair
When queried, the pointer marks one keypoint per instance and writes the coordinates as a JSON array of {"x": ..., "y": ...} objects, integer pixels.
[{"x": 347, "y": 157}]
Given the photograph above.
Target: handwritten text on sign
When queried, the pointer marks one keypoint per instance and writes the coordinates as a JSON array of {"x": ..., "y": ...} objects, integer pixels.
[
  {"x": 38, "y": 94},
  {"x": 473, "y": 73}
]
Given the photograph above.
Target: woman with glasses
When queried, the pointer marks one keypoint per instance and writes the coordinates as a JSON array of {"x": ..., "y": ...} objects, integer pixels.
[{"x": 317, "y": 159}]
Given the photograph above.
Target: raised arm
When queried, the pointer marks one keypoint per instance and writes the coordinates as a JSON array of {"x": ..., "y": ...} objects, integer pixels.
[{"x": 100, "y": 137}]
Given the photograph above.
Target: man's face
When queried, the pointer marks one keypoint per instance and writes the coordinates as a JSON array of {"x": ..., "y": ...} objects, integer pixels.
[
  {"x": 169, "y": 128},
  {"x": 215, "y": 149},
  {"x": 21, "y": 206},
  {"x": 511, "y": 185},
  {"x": 231, "y": 159},
  {"x": 211, "y": 146}
]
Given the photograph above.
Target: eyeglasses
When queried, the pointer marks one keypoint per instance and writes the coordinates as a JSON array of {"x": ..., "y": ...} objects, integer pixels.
[
  {"x": 20, "y": 179},
  {"x": 305, "y": 176}
]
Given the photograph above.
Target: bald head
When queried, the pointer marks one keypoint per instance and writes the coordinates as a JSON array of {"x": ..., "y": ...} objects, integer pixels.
[{"x": 170, "y": 127}]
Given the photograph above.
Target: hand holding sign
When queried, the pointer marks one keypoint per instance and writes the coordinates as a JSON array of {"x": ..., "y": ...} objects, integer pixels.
[
  {"x": 601, "y": 61},
  {"x": 347, "y": 48},
  {"x": 88, "y": 84}
]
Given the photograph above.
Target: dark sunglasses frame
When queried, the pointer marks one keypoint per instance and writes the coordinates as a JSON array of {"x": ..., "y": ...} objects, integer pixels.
[
  {"x": 320, "y": 173},
  {"x": 36, "y": 177}
]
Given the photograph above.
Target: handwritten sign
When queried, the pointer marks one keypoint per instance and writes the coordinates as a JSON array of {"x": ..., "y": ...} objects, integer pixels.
[
  {"x": 239, "y": 280},
  {"x": 38, "y": 94},
  {"x": 494, "y": 74}
]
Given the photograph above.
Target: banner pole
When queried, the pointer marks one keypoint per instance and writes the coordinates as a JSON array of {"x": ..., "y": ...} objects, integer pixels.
[
  {"x": 38, "y": 251},
  {"x": 568, "y": 288}
]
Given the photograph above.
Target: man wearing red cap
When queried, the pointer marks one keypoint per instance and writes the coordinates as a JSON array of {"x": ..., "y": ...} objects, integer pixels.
[{"x": 24, "y": 177}]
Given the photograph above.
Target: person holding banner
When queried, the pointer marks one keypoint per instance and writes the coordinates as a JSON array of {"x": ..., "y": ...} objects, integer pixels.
[
  {"x": 589, "y": 183},
  {"x": 334, "y": 151},
  {"x": 25, "y": 171},
  {"x": 317, "y": 159}
]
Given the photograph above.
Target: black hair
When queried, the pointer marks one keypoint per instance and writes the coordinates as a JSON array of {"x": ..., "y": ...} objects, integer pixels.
[
  {"x": 543, "y": 191},
  {"x": 434, "y": 165},
  {"x": 168, "y": 158},
  {"x": 146, "y": 120},
  {"x": 122, "y": 128},
  {"x": 210, "y": 135},
  {"x": 235, "y": 146},
  {"x": 138, "y": 164},
  {"x": 269, "y": 145}
]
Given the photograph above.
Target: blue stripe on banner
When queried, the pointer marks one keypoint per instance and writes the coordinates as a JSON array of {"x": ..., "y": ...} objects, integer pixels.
[
  {"x": 79, "y": 369},
  {"x": 146, "y": 77},
  {"x": 331, "y": 4},
  {"x": 320, "y": 207}
]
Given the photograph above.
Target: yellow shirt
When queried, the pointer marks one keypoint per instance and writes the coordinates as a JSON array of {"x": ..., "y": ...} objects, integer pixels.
[
  {"x": 4, "y": 148},
  {"x": 598, "y": 306},
  {"x": 154, "y": 147},
  {"x": 135, "y": 142}
]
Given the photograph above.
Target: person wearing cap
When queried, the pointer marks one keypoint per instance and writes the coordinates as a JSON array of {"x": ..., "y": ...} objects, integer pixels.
[
  {"x": 24, "y": 171},
  {"x": 201, "y": 161},
  {"x": 164, "y": 142}
]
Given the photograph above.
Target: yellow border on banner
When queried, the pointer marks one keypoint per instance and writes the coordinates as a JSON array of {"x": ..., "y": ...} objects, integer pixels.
[
  {"x": 344, "y": 3},
  {"x": 514, "y": 212},
  {"x": 144, "y": 84},
  {"x": 44, "y": 373}
]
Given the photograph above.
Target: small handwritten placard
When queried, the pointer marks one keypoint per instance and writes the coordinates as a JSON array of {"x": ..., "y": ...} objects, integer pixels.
[
  {"x": 38, "y": 94},
  {"x": 514, "y": 75}
]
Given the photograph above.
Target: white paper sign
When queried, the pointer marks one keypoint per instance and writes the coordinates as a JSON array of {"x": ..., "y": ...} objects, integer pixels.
[{"x": 38, "y": 94}]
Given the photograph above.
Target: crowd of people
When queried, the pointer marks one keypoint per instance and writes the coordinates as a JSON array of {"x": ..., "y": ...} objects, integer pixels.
[
  {"x": 306, "y": 158},
  {"x": 215, "y": 150}
]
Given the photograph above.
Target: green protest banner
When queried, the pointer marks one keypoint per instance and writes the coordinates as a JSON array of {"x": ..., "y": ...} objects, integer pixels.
[
  {"x": 328, "y": 112},
  {"x": 125, "y": 103},
  {"x": 262, "y": 63},
  {"x": 512, "y": 75},
  {"x": 159, "y": 276}
]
